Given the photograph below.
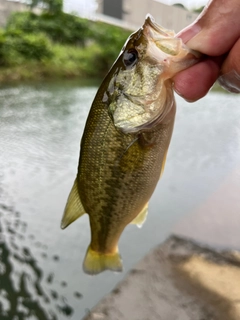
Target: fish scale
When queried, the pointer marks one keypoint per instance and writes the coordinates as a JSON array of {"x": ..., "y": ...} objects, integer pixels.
[{"x": 125, "y": 141}]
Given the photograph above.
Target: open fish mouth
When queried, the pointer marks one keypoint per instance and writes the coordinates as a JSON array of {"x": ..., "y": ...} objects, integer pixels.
[
  {"x": 167, "y": 42},
  {"x": 150, "y": 22},
  {"x": 144, "y": 88}
]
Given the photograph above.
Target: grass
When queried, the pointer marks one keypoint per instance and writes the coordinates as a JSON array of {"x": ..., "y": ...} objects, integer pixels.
[
  {"x": 67, "y": 62},
  {"x": 40, "y": 47}
]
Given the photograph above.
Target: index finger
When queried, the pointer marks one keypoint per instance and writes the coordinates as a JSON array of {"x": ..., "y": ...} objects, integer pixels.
[
  {"x": 195, "y": 82},
  {"x": 216, "y": 29}
]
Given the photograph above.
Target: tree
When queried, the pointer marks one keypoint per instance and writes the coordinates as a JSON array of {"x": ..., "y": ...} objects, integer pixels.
[
  {"x": 199, "y": 10},
  {"x": 179, "y": 5},
  {"x": 54, "y": 6},
  {"x": 51, "y": 6}
]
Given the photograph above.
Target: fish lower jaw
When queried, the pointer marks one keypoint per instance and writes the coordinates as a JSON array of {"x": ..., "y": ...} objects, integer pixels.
[{"x": 130, "y": 126}]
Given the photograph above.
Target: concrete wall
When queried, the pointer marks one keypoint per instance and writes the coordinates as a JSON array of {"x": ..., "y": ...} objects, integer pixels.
[
  {"x": 170, "y": 17},
  {"x": 7, "y": 7}
]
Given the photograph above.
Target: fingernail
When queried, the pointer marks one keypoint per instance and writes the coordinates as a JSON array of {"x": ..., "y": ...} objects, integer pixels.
[
  {"x": 189, "y": 32},
  {"x": 230, "y": 81},
  {"x": 180, "y": 94},
  {"x": 176, "y": 90}
]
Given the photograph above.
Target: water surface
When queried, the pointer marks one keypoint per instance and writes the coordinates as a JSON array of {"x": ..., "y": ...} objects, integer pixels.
[{"x": 41, "y": 124}]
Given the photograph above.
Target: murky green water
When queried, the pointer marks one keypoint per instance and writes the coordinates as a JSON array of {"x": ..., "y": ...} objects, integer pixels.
[{"x": 40, "y": 129}]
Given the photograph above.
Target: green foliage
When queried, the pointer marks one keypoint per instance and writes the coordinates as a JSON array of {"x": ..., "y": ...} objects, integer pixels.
[
  {"x": 180, "y": 5},
  {"x": 51, "y": 6},
  {"x": 110, "y": 39},
  {"x": 2, "y": 41},
  {"x": 199, "y": 10},
  {"x": 32, "y": 46},
  {"x": 54, "y": 6},
  {"x": 70, "y": 61},
  {"x": 22, "y": 21},
  {"x": 57, "y": 45},
  {"x": 15, "y": 47},
  {"x": 63, "y": 28}
]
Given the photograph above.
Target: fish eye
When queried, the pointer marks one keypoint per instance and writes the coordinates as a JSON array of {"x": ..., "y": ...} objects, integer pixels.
[{"x": 130, "y": 57}]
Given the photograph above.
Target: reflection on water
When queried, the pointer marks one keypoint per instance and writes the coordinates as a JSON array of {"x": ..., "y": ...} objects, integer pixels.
[
  {"x": 41, "y": 273},
  {"x": 30, "y": 287},
  {"x": 24, "y": 293}
]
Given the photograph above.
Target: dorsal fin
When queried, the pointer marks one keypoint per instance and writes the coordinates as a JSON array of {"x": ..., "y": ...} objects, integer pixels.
[{"x": 74, "y": 208}]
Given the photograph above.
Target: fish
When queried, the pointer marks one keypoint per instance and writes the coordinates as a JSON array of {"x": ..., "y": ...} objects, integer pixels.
[{"x": 124, "y": 146}]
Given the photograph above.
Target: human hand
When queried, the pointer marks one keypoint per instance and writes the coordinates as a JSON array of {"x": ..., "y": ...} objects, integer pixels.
[{"x": 215, "y": 33}]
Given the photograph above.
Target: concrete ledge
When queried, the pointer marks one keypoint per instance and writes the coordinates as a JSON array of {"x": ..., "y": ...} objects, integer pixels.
[{"x": 179, "y": 280}]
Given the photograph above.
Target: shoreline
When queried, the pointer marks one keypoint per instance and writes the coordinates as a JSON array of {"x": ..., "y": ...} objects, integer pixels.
[
  {"x": 179, "y": 279},
  {"x": 12, "y": 76}
]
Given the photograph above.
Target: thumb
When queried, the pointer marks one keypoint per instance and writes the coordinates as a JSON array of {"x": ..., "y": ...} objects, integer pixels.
[{"x": 216, "y": 29}]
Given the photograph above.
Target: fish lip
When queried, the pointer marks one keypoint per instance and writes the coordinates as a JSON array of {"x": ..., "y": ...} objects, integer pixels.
[
  {"x": 150, "y": 22},
  {"x": 156, "y": 32}
]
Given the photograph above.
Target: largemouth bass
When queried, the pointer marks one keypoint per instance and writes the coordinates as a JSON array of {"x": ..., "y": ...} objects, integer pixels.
[{"x": 125, "y": 141}]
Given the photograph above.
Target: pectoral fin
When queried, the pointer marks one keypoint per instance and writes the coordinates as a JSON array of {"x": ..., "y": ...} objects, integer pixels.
[
  {"x": 141, "y": 217},
  {"x": 74, "y": 208}
]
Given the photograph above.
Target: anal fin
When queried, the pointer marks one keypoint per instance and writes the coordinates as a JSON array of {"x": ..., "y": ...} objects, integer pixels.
[
  {"x": 141, "y": 217},
  {"x": 96, "y": 262},
  {"x": 74, "y": 208}
]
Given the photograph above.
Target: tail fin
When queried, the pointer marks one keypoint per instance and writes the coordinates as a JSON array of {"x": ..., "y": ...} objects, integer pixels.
[{"x": 95, "y": 262}]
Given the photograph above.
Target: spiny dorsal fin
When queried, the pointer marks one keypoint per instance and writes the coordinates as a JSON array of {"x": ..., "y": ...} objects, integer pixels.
[
  {"x": 141, "y": 217},
  {"x": 74, "y": 208}
]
